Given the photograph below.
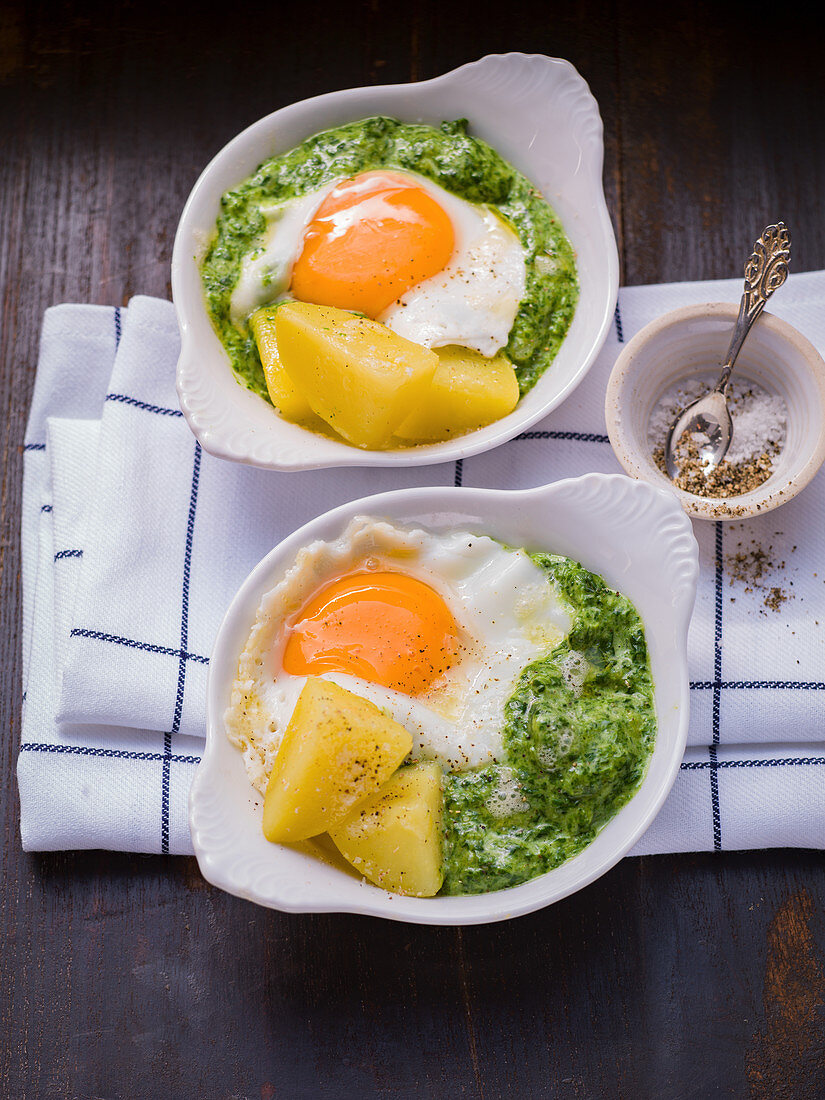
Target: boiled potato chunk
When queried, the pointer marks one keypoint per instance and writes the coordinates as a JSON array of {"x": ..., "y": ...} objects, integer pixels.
[
  {"x": 394, "y": 837},
  {"x": 336, "y": 751},
  {"x": 283, "y": 393},
  {"x": 358, "y": 375},
  {"x": 467, "y": 392}
]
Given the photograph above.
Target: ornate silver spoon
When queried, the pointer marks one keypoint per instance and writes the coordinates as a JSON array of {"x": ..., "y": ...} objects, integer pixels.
[{"x": 708, "y": 419}]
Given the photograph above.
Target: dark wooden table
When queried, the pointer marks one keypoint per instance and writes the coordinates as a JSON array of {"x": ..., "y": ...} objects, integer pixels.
[{"x": 126, "y": 976}]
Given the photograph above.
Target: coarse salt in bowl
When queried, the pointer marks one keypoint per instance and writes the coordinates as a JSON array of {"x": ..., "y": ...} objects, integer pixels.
[
  {"x": 670, "y": 353},
  {"x": 539, "y": 114}
]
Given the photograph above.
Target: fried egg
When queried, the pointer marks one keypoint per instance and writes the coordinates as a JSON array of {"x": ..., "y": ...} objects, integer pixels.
[
  {"x": 433, "y": 628},
  {"x": 395, "y": 246}
]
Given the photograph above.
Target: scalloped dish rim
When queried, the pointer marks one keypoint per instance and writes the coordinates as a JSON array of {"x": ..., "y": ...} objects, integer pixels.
[
  {"x": 651, "y": 556},
  {"x": 233, "y": 423}
]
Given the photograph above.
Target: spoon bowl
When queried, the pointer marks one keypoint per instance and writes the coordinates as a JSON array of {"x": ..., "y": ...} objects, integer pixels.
[{"x": 708, "y": 424}]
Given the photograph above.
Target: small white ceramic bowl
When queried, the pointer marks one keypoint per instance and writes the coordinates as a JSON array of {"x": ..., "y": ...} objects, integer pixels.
[
  {"x": 539, "y": 114},
  {"x": 636, "y": 537},
  {"x": 693, "y": 341}
]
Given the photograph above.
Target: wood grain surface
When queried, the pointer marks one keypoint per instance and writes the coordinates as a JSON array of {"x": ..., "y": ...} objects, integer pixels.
[{"x": 129, "y": 977}]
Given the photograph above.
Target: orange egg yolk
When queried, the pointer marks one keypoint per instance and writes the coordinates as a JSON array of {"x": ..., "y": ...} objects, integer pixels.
[
  {"x": 373, "y": 237},
  {"x": 388, "y": 628}
]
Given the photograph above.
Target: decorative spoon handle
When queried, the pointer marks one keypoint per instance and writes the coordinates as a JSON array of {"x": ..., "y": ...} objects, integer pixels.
[{"x": 765, "y": 271}]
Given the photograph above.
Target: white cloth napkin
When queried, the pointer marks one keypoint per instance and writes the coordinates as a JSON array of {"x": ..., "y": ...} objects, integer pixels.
[{"x": 134, "y": 541}]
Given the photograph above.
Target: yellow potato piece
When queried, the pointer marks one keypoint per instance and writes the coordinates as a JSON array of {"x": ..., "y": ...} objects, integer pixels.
[
  {"x": 283, "y": 393},
  {"x": 467, "y": 392},
  {"x": 394, "y": 837},
  {"x": 336, "y": 751},
  {"x": 358, "y": 375}
]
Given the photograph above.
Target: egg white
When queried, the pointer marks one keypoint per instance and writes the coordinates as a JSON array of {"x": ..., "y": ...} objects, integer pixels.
[
  {"x": 266, "y": 270},
  {"x": 508, "y": 610},
  {"x": 472, "y": 302}
]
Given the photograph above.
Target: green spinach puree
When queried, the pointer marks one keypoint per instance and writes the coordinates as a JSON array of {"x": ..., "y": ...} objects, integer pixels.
[
  {"x": 577, "y": 756},
  {"x": 448, "y": 155}
]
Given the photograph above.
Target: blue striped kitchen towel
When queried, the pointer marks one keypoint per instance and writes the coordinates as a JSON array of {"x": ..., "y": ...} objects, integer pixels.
[{"x": 134, "y": 541}]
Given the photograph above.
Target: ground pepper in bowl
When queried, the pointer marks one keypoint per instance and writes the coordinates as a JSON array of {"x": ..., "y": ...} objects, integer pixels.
[{"x": 759, "y": 432}]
